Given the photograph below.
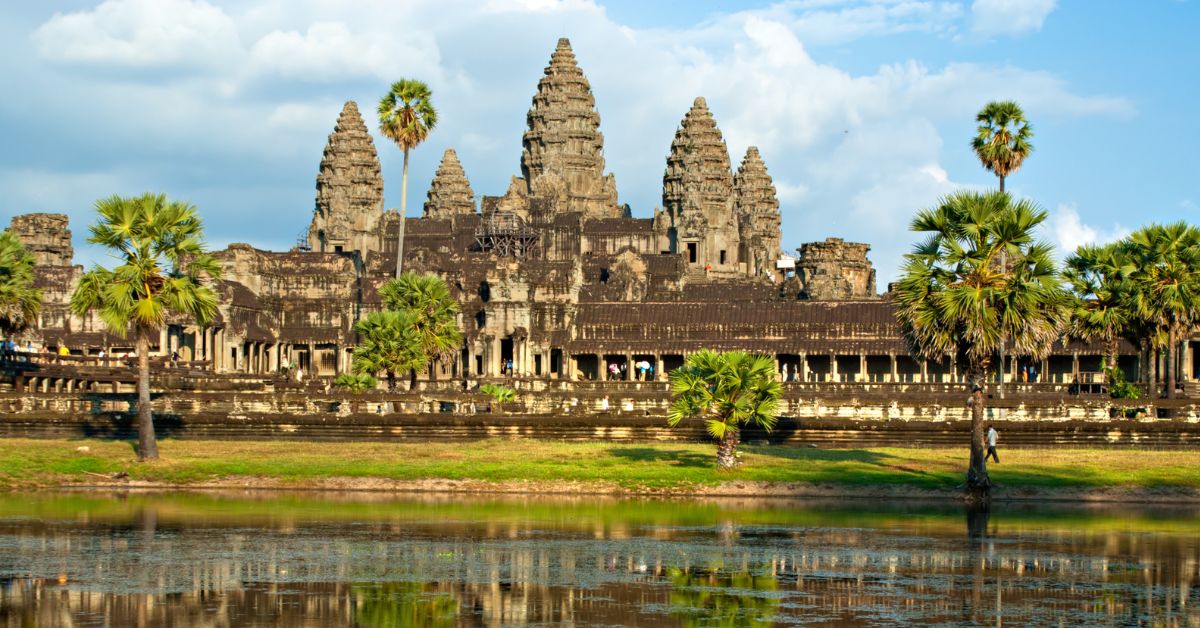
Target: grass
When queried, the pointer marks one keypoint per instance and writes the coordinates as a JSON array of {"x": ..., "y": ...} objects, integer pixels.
[{"x": 27, "y": 463}]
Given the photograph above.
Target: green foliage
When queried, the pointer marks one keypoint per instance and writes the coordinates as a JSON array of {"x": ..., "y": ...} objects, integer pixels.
[
  {"x": 1100, "y": 279},
  {"x": 718, "y": 597},
  {"x": 499, "y": 393},
  {"x": 726, "y": 390},
  {"x": 20, "y": 301},
  {"x": 406, "y": 113},
  {"x": 1118, "y": 388},
  {"x": 164, "y": 266},
  {"x": 1002, "y": 141},
  {"x": 433, "y": 311},
  {"x": 387, "y": 343},
  {"x": 356, "y": 383},
  {"x": 386, "y": 604},
  {"x": 956, "y": 297}
]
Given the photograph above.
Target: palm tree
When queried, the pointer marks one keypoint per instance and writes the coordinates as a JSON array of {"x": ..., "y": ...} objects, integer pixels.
[
  {"x": 388, "y": 343},
  {"x": 20, "y": 301},
  {"x": 955, "y": 297},
  {"x": 500, "y": 394},
  {"x": 406, "y": 116},
  {"x": 356, "y": 383},
  {"x": 1002, "y": 142},
  {"x": 726, "y": 390},
  {"x": 1167, "y": 262},
  {"x": 1099, "y": 277},
  {"x": 164, "y": 271},
  {"x": 434, "y": 311}
]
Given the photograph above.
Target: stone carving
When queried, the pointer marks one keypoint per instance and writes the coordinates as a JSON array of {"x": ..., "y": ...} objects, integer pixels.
[
  {"x": 349, "y": 189},
  {"x": 46, "y": 237},
  {"x": 698, "y": 192},
  {"x": 758, "y": 215},
  {"x": 563, "y": 156},
  {"x": 835, "y": 269},
  {"x": 450, "y": 192}
]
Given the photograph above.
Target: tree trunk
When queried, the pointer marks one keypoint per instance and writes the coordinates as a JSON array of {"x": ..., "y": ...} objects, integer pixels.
[
  {"x": 727, "y": 450},
  {"x": 412, "y": 379},
  {"x": 147, "y": 444},
  {"x": 1152, "y": 372},
  {"x": 1001, "y": 184},
  {"x": 403, "y": 213},
  {"x": 391, "y": 380},
  {"x": 1172, "y": 367},
  {"x": 979, "y": 485}
]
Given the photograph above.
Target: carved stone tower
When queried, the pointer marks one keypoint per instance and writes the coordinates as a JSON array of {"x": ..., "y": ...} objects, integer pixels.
[
  {"x": 349, "y": 189},
  {"x": 563, "y": 156},
  {"x": 698, "y": 193},
  {"x": 835, "y": 269},
  {"x": 450, "y": 192},
  {"x": 758, "y": 215}
]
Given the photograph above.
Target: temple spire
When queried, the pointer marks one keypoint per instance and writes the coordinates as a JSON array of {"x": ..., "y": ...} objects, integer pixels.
[
  {"x": 757, "y": 209},
  {"x": 563, "y": 156},
  {"x": 450, "y": 192},
  {"x": 349, "y": 189}
]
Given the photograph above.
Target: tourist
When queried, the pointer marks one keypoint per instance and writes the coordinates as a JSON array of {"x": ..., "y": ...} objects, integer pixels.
[
  {"x": 614, "y": 371},
  {"x": 604, "y": 404},
  {"x": 63, "y": 350},
  {"x": 991, "y": 444}
]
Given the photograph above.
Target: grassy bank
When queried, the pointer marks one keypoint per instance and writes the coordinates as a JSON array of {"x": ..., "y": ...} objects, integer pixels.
[{"x": 26, "y": 463}]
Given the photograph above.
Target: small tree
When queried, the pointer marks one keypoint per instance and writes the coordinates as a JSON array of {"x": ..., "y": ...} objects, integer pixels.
[
  {"x": 388, "y": 343},
  {"x": 726, "y": 391},
  {"x": 20, "y": 301},
  {"x": 427, "y": 301},
  {"x": 356, "y": 383},
  {"x": 500, "y": 395},
  {"x": 955, "y": 297},
  {"x": 164, "y": 270},
  {"x": 1002, "y": 141}
]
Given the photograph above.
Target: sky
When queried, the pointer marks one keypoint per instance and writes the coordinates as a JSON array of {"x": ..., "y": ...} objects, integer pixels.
[{"x": 863, "y": 110}]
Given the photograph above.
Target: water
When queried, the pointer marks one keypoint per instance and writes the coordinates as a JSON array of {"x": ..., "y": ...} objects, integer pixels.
[{"x": 280, "y": 559}]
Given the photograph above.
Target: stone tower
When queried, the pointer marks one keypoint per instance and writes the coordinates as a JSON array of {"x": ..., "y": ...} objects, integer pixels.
[
  {"x": 835, "y": 269},
  {"x": 46, "y": 237},
  {"x": 757, "y": 210},
  {"x": 563, "y": 156},
  {"x": 349, "y": 189},
  {"x": 698, "y": 193},
  {"x": 450, "y": 192}
]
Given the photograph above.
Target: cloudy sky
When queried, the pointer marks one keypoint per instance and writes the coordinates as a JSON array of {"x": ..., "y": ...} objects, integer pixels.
[{"x": 863, "y": 109}]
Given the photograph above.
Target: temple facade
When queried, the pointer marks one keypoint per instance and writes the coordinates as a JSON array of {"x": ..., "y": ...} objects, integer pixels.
[{"x": 555, "y": 278}]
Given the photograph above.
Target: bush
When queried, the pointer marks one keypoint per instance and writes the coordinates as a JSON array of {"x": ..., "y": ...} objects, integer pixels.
[
  {"x": 499, "y": 394},
  {"x": 1118, "y": 388},
  {"x": 355, "y": 383}
]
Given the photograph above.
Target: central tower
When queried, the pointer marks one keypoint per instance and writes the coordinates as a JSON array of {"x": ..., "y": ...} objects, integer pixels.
[{"x": 563, "y": 150}]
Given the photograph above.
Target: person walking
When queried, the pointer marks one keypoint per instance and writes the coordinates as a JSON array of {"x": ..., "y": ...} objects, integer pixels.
[{"x": 991, "y": 444}]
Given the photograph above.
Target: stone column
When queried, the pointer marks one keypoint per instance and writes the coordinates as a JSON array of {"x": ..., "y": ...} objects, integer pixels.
[
  {"x": 630, "y": 374},
  {"x": 1075, "y": 366},
  {"x": 833, "y": 369},
  {"x": 163, "y": 343},
  {"x": 804, "y": 367},
  {"x": 863, "y": 375},
  {"x": 954, "y": 368},
  {"x": 895, "y": 370},
  {"x": 924, "y": 371},
  {"x": 659, "y": 374}
]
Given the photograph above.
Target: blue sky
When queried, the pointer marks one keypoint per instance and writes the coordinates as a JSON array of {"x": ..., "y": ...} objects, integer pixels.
[{"x": 862, "y": 109}]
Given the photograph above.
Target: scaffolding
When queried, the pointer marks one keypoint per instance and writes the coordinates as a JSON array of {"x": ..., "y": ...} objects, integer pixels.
[{"x": 507, "y": 235}]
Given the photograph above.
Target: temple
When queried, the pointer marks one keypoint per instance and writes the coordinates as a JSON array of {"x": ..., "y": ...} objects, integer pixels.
[{"x": 556, "y": 278}]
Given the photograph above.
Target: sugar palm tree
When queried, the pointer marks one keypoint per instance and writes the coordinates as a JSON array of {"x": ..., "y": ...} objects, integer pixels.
[
  {"x": 1167, "y": 261},
  {"x": 954, "y": 297},
  {"x": 1099, "y": 277},
  {"x": 434, "y": 313},
  {"x": 1002, "y": 141},
  {"x": 20, "y": 301},
  {"x": 500, "y": 395},
  {"x": 727, "y": 391},
  {"x": 164, "y": 270},
  {"x": 406, "y": 116},
  {"x": 388, "y": 343}
]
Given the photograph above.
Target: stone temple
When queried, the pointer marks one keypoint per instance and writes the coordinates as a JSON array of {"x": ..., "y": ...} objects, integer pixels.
[{"x": 554, "y": 276}]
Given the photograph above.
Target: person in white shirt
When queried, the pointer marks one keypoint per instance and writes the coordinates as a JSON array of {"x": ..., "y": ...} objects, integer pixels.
[{"x": 991, "y": 444}]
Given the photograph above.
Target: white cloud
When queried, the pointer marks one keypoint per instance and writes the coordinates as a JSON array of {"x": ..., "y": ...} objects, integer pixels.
[
  {"x": 139, "y": 34},
  {"x": 1069, "y": 231},
  {"x": 332, "y": 51},
  {"x": 1009, "y": 17}
]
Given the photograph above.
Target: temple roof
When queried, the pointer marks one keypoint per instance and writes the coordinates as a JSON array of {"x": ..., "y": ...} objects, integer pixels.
[
  {"x": 698, "y": 174},
  {"x": 450, "y": 192}
]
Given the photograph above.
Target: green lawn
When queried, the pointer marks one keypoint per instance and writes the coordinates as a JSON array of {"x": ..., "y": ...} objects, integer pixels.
[{"x": 26, "y": 463}]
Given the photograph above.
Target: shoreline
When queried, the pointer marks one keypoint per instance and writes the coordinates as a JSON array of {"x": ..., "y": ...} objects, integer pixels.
[{"x": 730, "y": 489}]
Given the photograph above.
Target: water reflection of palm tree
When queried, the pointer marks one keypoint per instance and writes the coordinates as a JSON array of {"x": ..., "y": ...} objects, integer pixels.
[
  {"x": 717, "y": 598},
  {"x": 403, "y": 604}
]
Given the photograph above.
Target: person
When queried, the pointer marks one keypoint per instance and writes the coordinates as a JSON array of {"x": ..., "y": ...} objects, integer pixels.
[
  {"x": 613, "y": 371},
  {"x": 604, "y": 404},
  {"x": 63, "y": 350},
  {"x": 991, "y": 444}
]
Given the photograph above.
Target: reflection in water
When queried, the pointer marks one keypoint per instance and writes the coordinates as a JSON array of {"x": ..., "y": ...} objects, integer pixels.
[{"x": 205, "y": 560}]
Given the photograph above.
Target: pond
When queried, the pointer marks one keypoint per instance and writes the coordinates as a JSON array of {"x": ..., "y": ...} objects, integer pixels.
[{"x": 297, "y": 559}]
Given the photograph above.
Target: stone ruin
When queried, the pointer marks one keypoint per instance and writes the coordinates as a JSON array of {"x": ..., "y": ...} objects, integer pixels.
[{"x": 554, "y": 278}]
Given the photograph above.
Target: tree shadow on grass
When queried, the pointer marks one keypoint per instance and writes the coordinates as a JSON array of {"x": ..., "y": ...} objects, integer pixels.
[
  {"x": 654, "y": 454},
  {"x": 808, "y": 454}
]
